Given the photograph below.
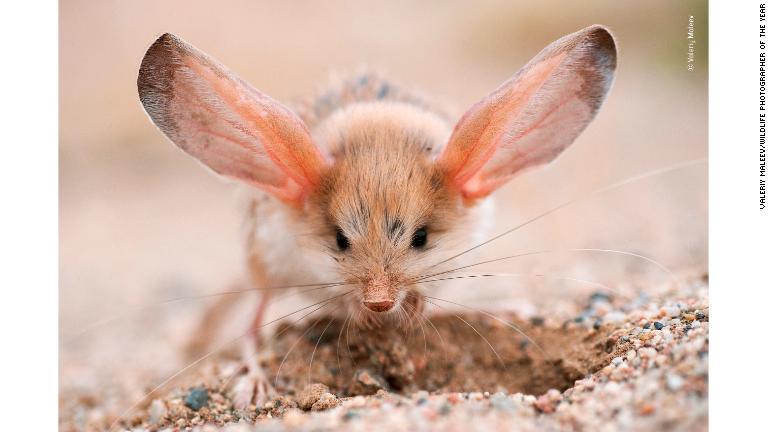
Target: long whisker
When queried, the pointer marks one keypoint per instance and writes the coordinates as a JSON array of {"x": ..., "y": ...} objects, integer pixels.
[
  {"x": 314, "y": 350},
  {"x": 633, "y": 254},
  {"x": 540, "y": 275},
  {"x": 442, "y": 341},
  {"x": 489, "y": 261},
  {"x": 209, "y": 354},
  {"x": 599, "y": 191},
  {"x": 355, "y": 315},
  {"x": 405, "y": 319},
  {"x": 100, "y": 323},
  {"x": 506, "y": 323},
  {"x": 414, "y": 315},
  {"x": 475, "y": 330},
  {"x": 418, "y": 317},
  {"x": 506, "y": 258},
  {"x": 338, "y": 341}
]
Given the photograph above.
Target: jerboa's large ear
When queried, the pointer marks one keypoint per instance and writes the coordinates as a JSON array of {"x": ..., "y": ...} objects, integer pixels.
[
  {"x": 533, "y": 116},
  {"x": 225, "y": 123}
]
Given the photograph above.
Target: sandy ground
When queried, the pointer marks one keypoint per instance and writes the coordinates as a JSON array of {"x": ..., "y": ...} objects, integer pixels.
[{"x": 613, "y": 363}]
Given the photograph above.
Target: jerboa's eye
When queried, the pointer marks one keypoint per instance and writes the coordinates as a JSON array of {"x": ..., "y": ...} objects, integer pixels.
[
  {"x": 419, "y": 238},
  {"x": 341, "y": 240}
]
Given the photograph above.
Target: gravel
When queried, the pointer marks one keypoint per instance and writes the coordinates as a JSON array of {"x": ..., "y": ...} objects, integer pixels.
[{"x": 647, "y": 372}]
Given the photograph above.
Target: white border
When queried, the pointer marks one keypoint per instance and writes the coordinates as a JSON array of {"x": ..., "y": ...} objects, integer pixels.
[
  {"x": 29, "y": 215},
  {"x": 738, "y": 240}
]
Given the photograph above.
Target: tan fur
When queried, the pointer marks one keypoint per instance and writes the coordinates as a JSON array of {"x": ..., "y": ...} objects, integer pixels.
[
  {"x": 381, "y": 186},
  {"x": 339, "y": 189}
]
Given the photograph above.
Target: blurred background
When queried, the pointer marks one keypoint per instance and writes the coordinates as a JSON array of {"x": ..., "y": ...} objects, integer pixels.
[{"x": 140, "y": 221}]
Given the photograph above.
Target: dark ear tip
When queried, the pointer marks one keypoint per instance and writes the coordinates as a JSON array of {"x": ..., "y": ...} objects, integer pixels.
[
  {"x": 155, "y": 80},
  {"x": 162, "y": 48},
  {"x": 602, "y": 35},
  {"x": 156, "y": 67},
  {"x": 597, "y": 29},
  {"x": 603, "y": 39},
  {"x": 167, "y": 38}
]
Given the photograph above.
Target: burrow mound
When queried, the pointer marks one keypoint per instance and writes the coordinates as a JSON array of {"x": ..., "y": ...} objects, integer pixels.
[{"x": 457, "y": 353}]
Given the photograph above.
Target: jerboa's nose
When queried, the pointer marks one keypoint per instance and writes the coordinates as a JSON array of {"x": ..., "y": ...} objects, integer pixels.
[{"x": 379, "y": 306}]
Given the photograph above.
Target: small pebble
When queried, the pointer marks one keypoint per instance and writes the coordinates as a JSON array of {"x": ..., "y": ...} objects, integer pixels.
[
  {"x": 366, "y": 382},
  {"x": 502, "y": 402},
  {"x": 554, "y": 395},
  {"x": 647, "y": 409},
  {"x": 544, "y": 405},
  {"x": 357, "y": 402},
  {"x": 429, "y": 413},
  {"x": 601, "y": 308},
  {"x": 420, "y": 397},
  {"x": 548, "y": 401},
  {"x": 326, "y": 401},
  {"x": 196, "y": 398},
  {"x": 351, "y": 414},
  {"x": 631, "y": 354},
  {"x": 617, "y": 361},
  {"x": 648, "y": 353},
  {"x": 658, "y": 325},
  {"x": 311, "y": 394},
  {"x": 476, "y": 396},
  {"x": 157, "y": 411},
  {"x": 600, "y": 296},
  {"x": 674, "y": 381},
  {"x": 615, "y": 317}
]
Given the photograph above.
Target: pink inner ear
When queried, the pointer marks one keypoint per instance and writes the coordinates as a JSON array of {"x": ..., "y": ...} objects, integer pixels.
[
  {"x": 484, "y": 128},
  {"x": 283, "y": 137},
  {"x": 537, "y": 144}
]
